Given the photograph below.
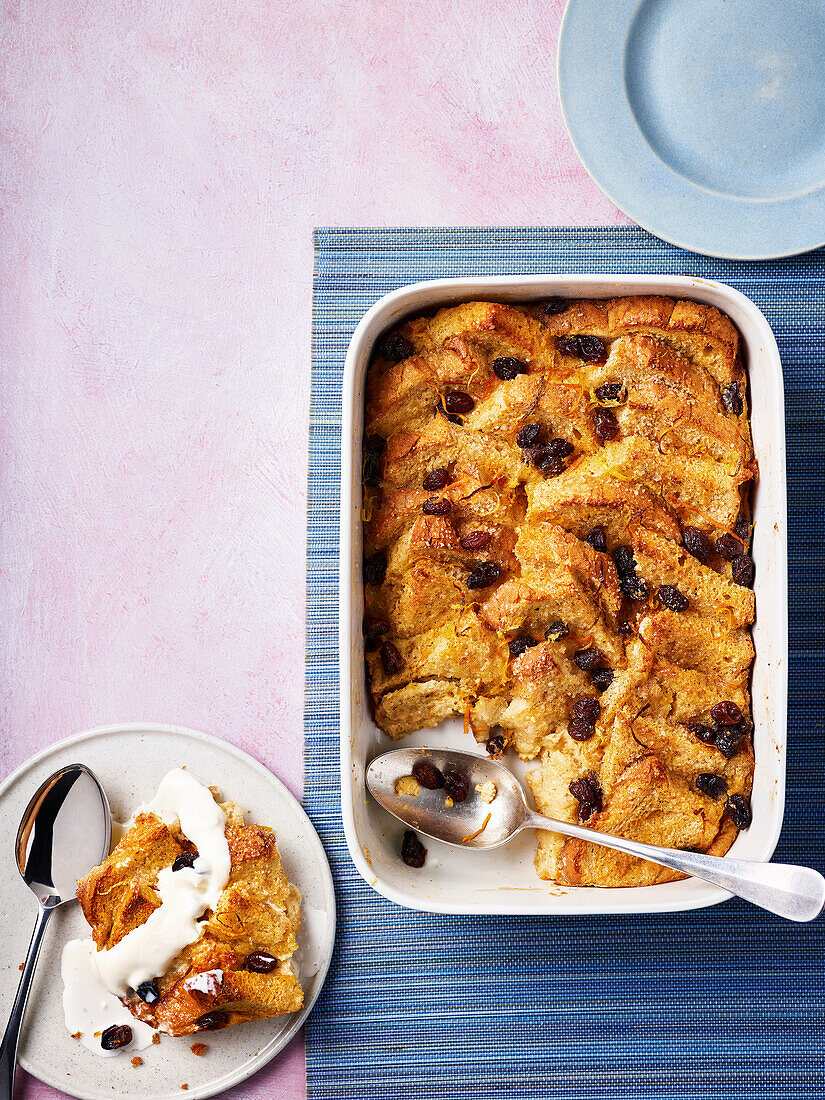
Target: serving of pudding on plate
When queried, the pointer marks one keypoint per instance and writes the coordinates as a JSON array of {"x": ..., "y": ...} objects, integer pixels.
[
  {"x": 193, "y": 921},
  {"x": 556, "y": 536}
]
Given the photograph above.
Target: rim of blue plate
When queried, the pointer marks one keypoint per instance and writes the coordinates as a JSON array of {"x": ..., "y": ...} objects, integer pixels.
[{"x": 617, "y": 155}]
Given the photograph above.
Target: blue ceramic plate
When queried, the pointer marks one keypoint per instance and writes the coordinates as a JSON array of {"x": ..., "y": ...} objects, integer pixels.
[{"x": 704, "y": 120}]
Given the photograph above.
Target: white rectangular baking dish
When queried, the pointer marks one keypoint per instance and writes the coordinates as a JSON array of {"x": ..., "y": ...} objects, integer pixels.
[{"x": 503, "y": 880}]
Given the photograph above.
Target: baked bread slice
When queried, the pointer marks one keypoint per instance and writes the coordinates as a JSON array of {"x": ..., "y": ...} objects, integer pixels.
[
  {"x": 556, "y": 513},
  {"x": 211, "y": 983}
]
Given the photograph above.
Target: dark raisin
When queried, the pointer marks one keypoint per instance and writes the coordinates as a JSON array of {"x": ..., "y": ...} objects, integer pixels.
[
  {"x": 372, "y": 472},
  {"x": 375, "y": 444},
  {"x": 428, "y": 775},
  {"x": 726, "y": 713},
  {"x": 587, "y": 707},
  {"x": 507, "y": 368},
  {"x": 537, "y": 453},
  {"x": 484, "y": 574},
  {"x": 634, "y": 588},
  {"x": 528, "y": 435},
  {"x": 727, "y": 741},
  {"x": 580, "y": 729},
  {"x": 185, "y": 859},
  {"x": 714, "y": 786},
  {"x": 396, "y": 347},
  {"x": 597, "y": 538},
  {"x": 260, "y": 962},
  {"x": 605, "y": 424},
  {"x": 588, "y": 660},
  {"x": 148, "y": 991},
  {"x": 375, "y": 568},
  {"x": 592, "y": 349},
  {"x": 589, "y": 348},
  {"x": 625, "y": 628},
  {"x": 391, "y": 659},
  {"x": 553, "y": 306},
  {"x": 602, "y": 678},
  {"x": 740, "y": 811},
  {"x": 213, "y": 1021},
  {"x": 672, "y": 598},
  {"x": 495, "y": 745},
  {"x": 697, "y": 543},
  {"x": 459, "y": 403},
  {"x": 624, "y": 560},
  {"x": 521, "y": 644},
  {"x": 588, "y": 793},
  {"x": 413, "y": 851},
  {"x": 433, "y": 507},
  {"x": 436, "y": 479},
  {"x": 544, "y": 462},
  {"x": 703, "y": 733},
  {"x": 742, "y": 571},
  {"x": 476, "y": 540},
  {"x": 439, "y": 408},
  {"x": 611, "y": 393},
  {"x": 375, "y": 628},
  {"x": 116, "y": 1036},
  {"x": 560, "y": 448},
  {"x": 557, "y": 631},
  {"x": 742, "y": 528},
  {"x": 728, "y": 547},
  {"x": 732, "y": 399},
  {"x": 456, "y": 784}
]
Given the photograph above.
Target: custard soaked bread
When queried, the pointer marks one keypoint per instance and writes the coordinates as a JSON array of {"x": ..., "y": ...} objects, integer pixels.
[
  {"x": 556, "y": 530},
  {"x": 239, "y": 967}
]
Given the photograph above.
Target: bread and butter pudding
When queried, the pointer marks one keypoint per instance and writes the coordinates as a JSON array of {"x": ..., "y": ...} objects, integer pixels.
[
  {"x": 556, "y": 533},
  {"x": 194, "y": 925}
]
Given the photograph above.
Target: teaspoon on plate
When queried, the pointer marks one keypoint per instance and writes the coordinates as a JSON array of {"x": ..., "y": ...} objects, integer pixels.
[
  {"x": 797, "y": 893},
  {"x": 65, "y": 831}
]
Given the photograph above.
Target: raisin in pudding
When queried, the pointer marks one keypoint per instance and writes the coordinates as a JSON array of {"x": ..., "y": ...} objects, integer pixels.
[
  {"x": 194, "y": 925},
  {"x": 556, "y": 548}
]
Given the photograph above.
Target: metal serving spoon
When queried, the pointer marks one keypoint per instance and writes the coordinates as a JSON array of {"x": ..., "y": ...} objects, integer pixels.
[
  {"x": 65, "y": 831},
  {"x": 797, "y": 893}
]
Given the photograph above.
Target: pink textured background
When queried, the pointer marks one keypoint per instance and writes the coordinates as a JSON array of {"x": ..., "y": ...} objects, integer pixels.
[{"x": 162, "y": 167}]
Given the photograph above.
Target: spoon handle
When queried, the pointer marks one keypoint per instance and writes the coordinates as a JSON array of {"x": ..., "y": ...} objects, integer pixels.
[
  {"x": 8, "y": 1050},
  {"x": 797, "y": 893}
]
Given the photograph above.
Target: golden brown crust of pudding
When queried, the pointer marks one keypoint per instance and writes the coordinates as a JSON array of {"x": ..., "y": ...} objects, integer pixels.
[
  {"x": 681, "y": 456},
  {"x": 258, "y": 910}
]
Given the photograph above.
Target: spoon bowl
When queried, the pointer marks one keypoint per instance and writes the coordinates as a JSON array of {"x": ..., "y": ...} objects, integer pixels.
[
  {"x": 473, "y": 823},
  {"x": 66, "y": 830},
  {"x": 797, "y": 893}
]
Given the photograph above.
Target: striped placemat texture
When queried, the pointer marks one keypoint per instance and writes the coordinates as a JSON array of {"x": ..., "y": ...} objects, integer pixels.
[{"x": 722, "y": 1003}]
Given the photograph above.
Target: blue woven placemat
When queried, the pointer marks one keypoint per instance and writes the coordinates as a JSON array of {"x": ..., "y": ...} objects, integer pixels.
[{"x": 723, "y": 1003}]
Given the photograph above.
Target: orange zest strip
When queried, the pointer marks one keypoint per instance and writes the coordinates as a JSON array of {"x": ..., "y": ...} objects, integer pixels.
[
  {"x": 582, "y": 643},
  {"x": 468, "y": 706},
  {"x": 480, "y": 489},
  {"x": 472, "y": 836},
  {"x": 677, "y": 504}
]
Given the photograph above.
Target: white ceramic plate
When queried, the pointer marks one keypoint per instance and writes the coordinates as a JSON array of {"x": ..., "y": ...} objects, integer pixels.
[
  {"x": 504, "y": 880},
  {"x": 130, "y": 761}
]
